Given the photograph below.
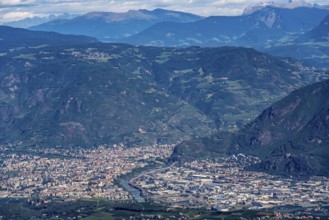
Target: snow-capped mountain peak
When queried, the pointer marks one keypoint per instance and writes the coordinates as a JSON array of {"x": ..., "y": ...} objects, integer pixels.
[{"x": 279, "y": 3}]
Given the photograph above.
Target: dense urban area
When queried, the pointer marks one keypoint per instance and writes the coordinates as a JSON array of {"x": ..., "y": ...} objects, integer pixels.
[
  {"x": 73, "y": 174},
  {"x": 223, "y": 184}
]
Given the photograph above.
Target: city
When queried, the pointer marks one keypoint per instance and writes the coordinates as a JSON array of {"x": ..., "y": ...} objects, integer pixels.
[
  {"x": 72, "y": 174},
  {"x": 223, "y": 184}
]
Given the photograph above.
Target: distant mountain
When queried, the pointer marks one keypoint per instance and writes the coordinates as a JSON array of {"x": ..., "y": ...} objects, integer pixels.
[
  {"x": 311, "y": 47},
  {"x": 29, "y": 22},
  {"x": 279, "y": 4},
  {"x": 109, "y": 26},
  {"x": 266, "y": 27},
  {"x": 291, "y": 136},
  {"x": 11, "y": 38},
  {"x": 319, "y": 33}
]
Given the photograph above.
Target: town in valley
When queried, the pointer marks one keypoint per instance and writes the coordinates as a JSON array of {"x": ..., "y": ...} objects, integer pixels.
[{"x": 224, "y": 184}]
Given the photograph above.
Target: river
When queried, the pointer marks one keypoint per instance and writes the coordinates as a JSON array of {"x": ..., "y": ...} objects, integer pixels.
[{"x": 136, "y": 193}]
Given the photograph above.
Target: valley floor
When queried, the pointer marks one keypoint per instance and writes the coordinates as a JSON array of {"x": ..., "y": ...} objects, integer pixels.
[
  {"x": 118, "y": 175},
  {"x": 225, "y": 185}
]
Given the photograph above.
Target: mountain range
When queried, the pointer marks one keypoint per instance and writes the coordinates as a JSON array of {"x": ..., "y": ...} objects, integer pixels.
[
  {"x": 36, "y": 20},
  {"x": 269, "y": 25},
  {"x": 91, "y": 93},
  {"x": 263, "y": 28},
  {"x": 278, "y": 28},
  {"x": 110, "y": 26}
]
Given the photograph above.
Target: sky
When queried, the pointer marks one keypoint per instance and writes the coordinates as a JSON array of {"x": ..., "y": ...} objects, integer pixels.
[{"x": 11, "y": 10}]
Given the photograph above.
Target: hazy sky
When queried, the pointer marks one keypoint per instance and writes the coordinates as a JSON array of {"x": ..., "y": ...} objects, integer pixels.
[{"x": 18, "y": 9}]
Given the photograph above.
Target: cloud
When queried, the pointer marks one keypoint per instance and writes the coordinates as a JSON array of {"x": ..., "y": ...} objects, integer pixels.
[
  {"x": 17, "y": 15},
  {"x": 16, "y": 3}
]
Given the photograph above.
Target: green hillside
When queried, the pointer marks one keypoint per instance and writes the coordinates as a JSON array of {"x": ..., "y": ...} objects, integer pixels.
[{"x": 86, "y": 94}]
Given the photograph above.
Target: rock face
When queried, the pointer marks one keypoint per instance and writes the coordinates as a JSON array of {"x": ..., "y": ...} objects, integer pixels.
[
  {"x": 310, "y": 47},
  {"x": 291, "y": 136},
  {"x": 279, "y": 4}
]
